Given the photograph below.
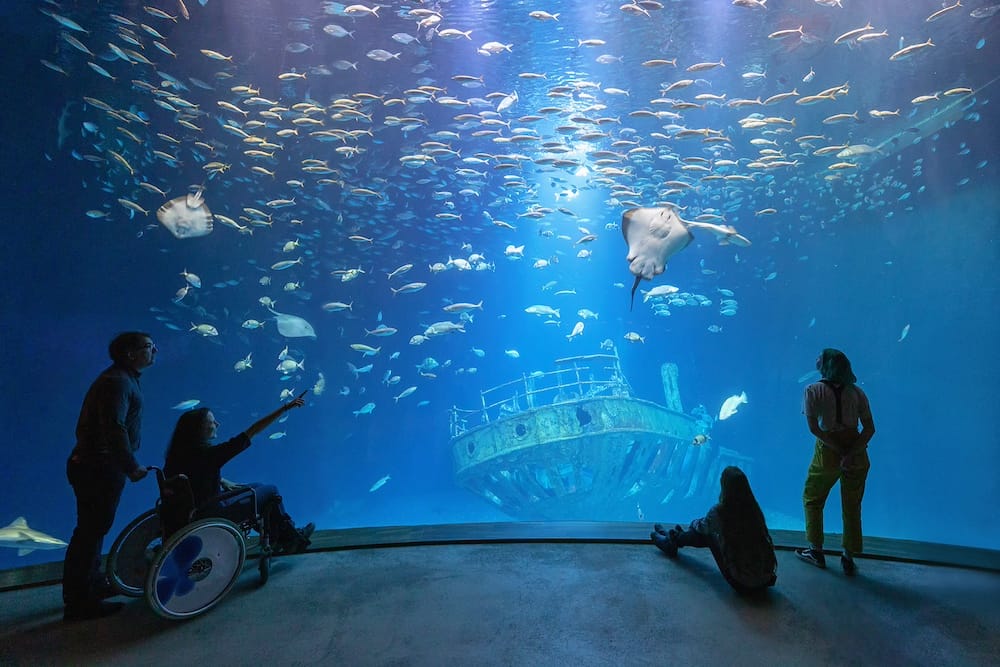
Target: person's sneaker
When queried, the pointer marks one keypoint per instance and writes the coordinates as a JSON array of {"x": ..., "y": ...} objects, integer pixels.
[
  {"x": 306, "y": 531},
  {"x": 87, "y": 610},
  {"x": 848, "y": 565},
  {"x": 302, "y": 540},
  {"x": 812, "y": 556}
]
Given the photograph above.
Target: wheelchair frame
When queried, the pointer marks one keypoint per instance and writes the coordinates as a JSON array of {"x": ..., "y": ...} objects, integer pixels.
[{"x": 187, "y": 572}]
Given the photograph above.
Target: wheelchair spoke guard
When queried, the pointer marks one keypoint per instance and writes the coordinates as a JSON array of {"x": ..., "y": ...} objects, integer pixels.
[
  {"x": 195, "y": 569},
  {"x": 132, "y": 552}
]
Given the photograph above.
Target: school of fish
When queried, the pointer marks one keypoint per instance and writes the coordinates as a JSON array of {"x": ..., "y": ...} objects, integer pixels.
[{"x": 330, "y": 185}]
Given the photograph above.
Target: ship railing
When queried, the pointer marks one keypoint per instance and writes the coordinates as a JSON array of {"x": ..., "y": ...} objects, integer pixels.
[{"x": 576, "y": 378}]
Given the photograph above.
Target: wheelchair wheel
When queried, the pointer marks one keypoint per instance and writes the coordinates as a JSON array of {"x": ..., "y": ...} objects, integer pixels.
[
  {"x": 195, "y": 569},
  {"x": 132, "y": 552}
]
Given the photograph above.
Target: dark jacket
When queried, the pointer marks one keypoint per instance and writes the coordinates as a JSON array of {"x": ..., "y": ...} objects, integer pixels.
[
  {"x": 744, "y": 554},
  {"x": 202, "y": 463},
  {"x": 108, "y": 429}
]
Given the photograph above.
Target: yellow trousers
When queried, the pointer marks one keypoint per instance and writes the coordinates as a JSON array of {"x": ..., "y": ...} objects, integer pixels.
[{"x": 824, "y": 472}]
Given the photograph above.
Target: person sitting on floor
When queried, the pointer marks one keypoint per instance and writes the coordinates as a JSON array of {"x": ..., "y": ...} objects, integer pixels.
[
  {"x": 191, "y": 454},
  {"x": 735, "y": 531}
]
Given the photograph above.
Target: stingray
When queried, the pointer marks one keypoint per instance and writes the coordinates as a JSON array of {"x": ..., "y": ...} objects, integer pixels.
[
  {"x": 187, "y": 217},
  {"x": 292, "y": 326},
  {"x": 653, "y": 235}
]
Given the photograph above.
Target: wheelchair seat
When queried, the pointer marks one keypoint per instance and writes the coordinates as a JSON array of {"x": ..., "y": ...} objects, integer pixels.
[{"x": 177, "y": 506}]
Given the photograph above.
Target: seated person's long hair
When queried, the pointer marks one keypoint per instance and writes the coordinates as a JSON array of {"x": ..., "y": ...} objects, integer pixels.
[
  {"x": 188, "y": 432},
  {"x": 742, "y": 517}
]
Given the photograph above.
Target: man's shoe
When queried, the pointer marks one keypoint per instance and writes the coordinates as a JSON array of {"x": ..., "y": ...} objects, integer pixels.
[
  {"x": 848, "y": 565},
  {"x": 88, "y": 610},
  {"x": 812, "y": 556},
  {"x": 105, "y": 589}
]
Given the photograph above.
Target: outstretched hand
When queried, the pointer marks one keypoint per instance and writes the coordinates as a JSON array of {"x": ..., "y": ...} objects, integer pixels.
[{"x": 297, "y": 402}]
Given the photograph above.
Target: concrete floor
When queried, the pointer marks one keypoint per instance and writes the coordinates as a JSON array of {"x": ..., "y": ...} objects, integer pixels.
[{"x": 535, "y": 604}]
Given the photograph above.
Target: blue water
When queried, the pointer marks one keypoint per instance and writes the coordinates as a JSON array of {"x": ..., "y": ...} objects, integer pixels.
[{"x": 905, "y": 239}]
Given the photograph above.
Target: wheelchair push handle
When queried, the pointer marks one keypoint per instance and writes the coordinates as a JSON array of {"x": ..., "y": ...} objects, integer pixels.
[
  {"x": 160, "y": 476},
  {"x": 158, "y": 471}
]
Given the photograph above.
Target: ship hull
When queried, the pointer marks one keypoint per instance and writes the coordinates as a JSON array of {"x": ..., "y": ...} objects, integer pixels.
[{"x": 598, "y": 458}]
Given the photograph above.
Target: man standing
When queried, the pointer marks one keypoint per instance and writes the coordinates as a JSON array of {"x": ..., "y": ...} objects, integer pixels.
[{"x": 107, "y": 437}]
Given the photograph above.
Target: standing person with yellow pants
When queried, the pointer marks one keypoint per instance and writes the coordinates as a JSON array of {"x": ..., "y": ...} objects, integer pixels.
[{"x": 833, "y": 407}]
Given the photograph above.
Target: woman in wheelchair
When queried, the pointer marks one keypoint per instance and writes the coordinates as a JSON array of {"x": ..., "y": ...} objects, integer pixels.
[{"x": 190, "y": 453}]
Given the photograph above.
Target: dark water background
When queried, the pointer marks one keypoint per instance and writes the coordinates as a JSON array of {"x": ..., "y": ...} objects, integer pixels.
[{"x": 863, "y": 265}]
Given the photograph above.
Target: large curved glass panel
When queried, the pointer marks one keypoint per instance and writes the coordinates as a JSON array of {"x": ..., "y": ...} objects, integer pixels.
[{"x": 421, "y": 213}]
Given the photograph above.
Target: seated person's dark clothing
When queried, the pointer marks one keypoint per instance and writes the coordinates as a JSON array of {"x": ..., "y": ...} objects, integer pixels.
[
  {"x": 747, "y": 561},
  {"x": 202, "y": 464}
]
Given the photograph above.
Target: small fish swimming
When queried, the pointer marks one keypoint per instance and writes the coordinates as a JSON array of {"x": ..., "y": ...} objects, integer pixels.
[
  {"x": 365, "y": 409},
  {"x": 381, "y": 55},
  {"x": 206, "y": 330},
  {"x": 731, "y": 405},
  {"x": 379, "y": 484},
  {"x": 243, "y": 364},
  {"x": 911, "y": 50},
  {"x": 941, "y": 12},
  {"x": 403, "y": 394},
  {"x": 286, "y": 264},
  {"x": 191, "y": 278},
  {"x": 215, "y": 55}
]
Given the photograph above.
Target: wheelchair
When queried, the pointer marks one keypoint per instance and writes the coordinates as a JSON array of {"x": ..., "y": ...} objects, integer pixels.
[{"x": 184, "y": 559}]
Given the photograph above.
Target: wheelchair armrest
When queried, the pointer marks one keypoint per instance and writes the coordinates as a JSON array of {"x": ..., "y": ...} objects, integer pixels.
[{"x": 226, "y": 499}]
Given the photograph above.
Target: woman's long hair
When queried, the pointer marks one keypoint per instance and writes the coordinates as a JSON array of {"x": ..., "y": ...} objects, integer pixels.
[
  {"x": 188, "y": 432},
  {"x": 835, "y": 366},
  {"x": 741, "y": 515}
]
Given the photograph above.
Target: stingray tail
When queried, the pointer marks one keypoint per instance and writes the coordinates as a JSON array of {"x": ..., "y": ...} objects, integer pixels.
[{"x": 635, "y": 285}]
